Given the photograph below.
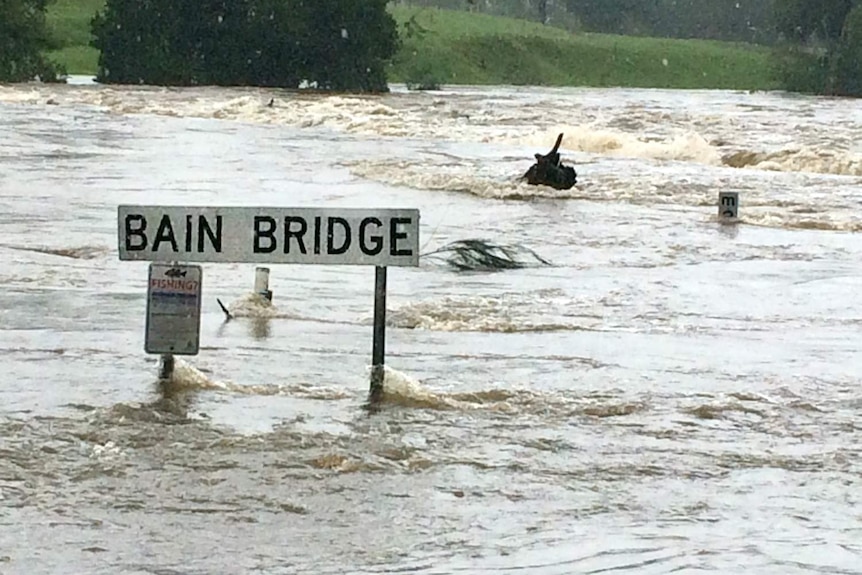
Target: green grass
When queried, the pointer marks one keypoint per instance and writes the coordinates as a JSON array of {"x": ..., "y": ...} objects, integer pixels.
[
  {"x": 69, "y": 23},
  {"x": 452, "y": 47},
  {"x": 77, "y": 59},
  {"x": 457, "y": 48}
]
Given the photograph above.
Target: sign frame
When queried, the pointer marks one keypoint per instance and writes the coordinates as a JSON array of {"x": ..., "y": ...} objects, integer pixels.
[
  {"x": 171, "y": 285},
  {"x": 728, "y": 205}
]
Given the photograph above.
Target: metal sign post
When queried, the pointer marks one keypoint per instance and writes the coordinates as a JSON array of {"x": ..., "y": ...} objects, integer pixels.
[{"x": 378, "y": 349}]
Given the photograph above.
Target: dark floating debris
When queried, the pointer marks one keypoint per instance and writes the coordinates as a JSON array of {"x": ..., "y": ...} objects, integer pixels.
[
  {"x": 549, "y": 170},
  {"x": 224, "y": 309},
  {"x": 483, "y": 255}
]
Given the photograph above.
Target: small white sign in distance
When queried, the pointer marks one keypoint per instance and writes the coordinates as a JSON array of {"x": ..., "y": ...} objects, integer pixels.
[
  {"x": 327, "y": 236},
  {"x": 173, "y": 309},
  {"x": 728, "y": 205}
]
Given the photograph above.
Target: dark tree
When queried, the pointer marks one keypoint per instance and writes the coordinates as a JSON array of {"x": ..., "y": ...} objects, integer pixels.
[
  {"x": 847, "y": 67},
  {"x": 337, "y": 44},
  {"x": 733, "y": 20},
  {"x": 802, "y": 20},
  {"x": 23, "y": 38},
  {"x": 824, "y": 46},
  {"x": 614, "y": 16}
]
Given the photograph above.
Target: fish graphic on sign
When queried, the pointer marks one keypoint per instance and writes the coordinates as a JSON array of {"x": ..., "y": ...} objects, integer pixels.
[{"x": 175, "y": 273}]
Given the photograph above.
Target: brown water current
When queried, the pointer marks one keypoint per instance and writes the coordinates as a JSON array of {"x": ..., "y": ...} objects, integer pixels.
[{"x": 672, "y": 394}]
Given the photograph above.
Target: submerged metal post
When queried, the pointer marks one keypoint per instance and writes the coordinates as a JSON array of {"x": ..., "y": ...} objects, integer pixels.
[
  {"x": 166, "y": 367},
  {"x": 261, "y": 282},
  {"x": 378, "y": 350}
]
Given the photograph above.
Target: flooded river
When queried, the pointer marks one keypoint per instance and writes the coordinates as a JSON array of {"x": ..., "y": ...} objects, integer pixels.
[{"x": 671, "y": 394}]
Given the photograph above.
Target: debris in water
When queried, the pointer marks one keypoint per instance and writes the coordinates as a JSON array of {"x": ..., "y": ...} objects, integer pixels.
[
  {"x": 549, "y": 170},
  {"x": 484, "y": 255},
  {"x": 226, "y": 311}
]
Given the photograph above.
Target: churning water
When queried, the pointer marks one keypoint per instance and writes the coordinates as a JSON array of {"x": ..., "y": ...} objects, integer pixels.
[{"x": 671, "y": 395}]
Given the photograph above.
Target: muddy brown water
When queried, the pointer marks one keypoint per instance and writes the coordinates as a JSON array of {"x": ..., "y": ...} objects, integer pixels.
[{"x": 670, "y": 395}]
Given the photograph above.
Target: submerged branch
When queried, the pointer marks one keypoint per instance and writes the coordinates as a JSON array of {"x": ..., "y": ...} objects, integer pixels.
[{"x": 484, "y": 255}]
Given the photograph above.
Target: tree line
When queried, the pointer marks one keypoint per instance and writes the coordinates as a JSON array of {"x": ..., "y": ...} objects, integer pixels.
[
  {"x": 344, "y": 44},
  {"x": 338, "y": 45},
  {"x": 23, "y": 39},
  {"x": 333, "y": 44}
]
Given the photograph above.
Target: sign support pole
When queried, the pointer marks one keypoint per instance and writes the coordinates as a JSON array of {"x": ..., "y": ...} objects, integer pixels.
[
  {"x": 166, "y": 367},
  {"x": 378, "y": 350},
  {"x": 166, "y": 361}
]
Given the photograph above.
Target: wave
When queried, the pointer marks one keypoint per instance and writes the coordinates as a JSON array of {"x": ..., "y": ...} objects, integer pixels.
[
  {"x": 77, "y": 253},
  {"x": 255, "y": 306},
  {"x": 693, "y": 147},
  {"x": 685, "y": 147},
  {"x": 447, "y": 178},
  {"x": 447, "y": 119},
  {"x": 504, "y": 314},
  {"x": 402, "y": 390},
  {"x": 822, "y": 221},
  {"x": 798, "y": 160},
  {"x": 187, "y": 377}
]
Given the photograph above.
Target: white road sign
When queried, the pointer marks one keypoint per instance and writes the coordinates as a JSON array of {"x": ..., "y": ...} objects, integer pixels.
[
  {"x": 379, "y": 237},
  {"x": 173, "y": 309}
]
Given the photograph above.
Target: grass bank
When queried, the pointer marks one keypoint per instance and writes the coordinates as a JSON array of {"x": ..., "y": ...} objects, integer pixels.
[
  {"x": 452, "y": 47},
  {"x": 69, "y": 24},
  {"x": 461, "y": 48}
]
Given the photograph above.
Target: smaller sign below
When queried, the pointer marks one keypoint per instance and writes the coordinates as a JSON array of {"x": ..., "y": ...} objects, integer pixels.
[
  {"x": 173, "y": 309},
  {"x": 728, "y": 205}
]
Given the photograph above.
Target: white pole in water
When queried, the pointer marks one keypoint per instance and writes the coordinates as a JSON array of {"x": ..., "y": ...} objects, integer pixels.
[{"x": 261, "y": 283}]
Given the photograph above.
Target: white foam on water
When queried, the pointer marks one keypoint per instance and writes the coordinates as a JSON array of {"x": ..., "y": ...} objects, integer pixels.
[
  {"x": 255, "y": 305},
  {"x": 108, "y": 450},
  {"x": 838, "y": 162},
  {"x": 403, "y": 390},
  {"x": 481, "y": 314},
  {"x": 420, "y": 117},
  {"x": 682, "y": 146}
]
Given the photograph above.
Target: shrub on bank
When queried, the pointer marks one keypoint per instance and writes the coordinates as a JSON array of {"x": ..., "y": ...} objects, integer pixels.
[{"x": 848, "y": 56}]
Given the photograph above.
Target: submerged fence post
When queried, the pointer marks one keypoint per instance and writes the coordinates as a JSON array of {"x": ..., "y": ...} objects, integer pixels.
[
  {"x": 378, "y": 350},
  {"x": 261, "y": 282}
]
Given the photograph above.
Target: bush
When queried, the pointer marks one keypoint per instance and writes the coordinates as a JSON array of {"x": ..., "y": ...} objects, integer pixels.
[
  {"x": 421, "y": 76},
  {"x": 23, "y": 37},
  {"x": 800, "y": 69},
  {"x": 334, "y": 44},
  {"x": 847, "y": 68}
]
